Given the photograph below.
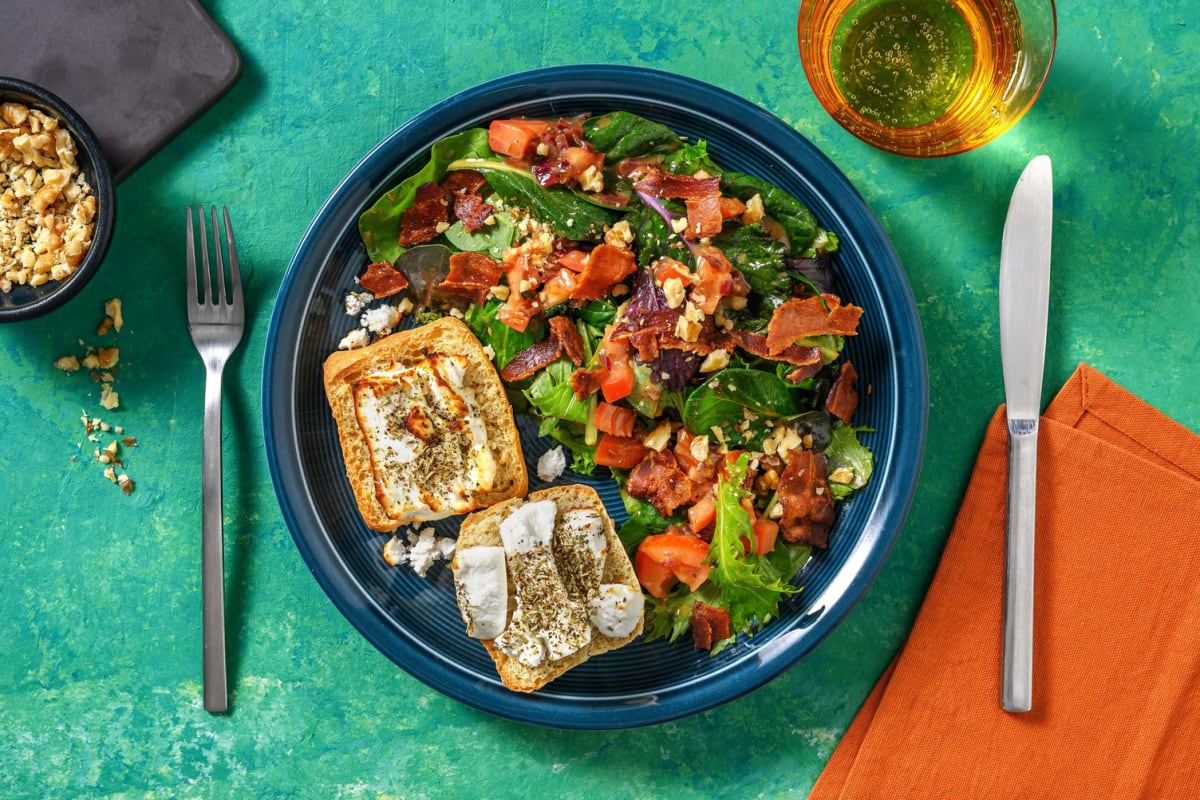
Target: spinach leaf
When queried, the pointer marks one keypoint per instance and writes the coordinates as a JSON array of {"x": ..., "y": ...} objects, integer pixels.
[
  {"x": 567, "y": 213},
  {"x": 620, "y": 134},
  {"x": 799, "y": 223},
  {"x": 760, "y": 260},
  {"x": 505, "y": 341},
  {"x": 653, "y": 235},
  {"x": 598, "y": 313},
  {"x": 644, "y": 520},
  {"x": 379, "y": 225},
  {"x": 690, "y": 159},
  {"x": 492, "y": 239},
  {"x": 724, "y": 400}
]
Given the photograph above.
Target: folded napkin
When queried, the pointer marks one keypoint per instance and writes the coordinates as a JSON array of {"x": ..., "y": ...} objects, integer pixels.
[{"x": 1116, "y": 695}]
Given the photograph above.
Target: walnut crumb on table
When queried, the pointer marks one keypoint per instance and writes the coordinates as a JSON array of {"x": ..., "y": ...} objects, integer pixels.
[{"x": 110, "y": 441}]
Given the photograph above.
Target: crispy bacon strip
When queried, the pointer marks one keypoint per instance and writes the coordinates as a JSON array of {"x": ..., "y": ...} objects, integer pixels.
[
  {"x": 715, "y": 278},
  {"x": 383, "y": 280},
  {"x": 756, "y": 345},
  {"x": 471, "y": 275},
  {"x": 651, "y": 332},
  {"x": 564, "y": 330},
  {"x": 842, "y": 399},
  {"x": 464, "y": 181},
  {"x": 531, "y": 359},
  {"x": 657, "y": 183},
  {"x": 658, "y": 480},
  {"x": 472, "y": 211},
  {"x": 806, "y": 499},
  {"x": 419, "y": 223},
  {"x": 807, "y": 316},
  {"x": 703, "y": 216},
  {"x": 585, "y": 382},
  {"x": 709, "y": 625},
  {"x": 606, "y": 266}
]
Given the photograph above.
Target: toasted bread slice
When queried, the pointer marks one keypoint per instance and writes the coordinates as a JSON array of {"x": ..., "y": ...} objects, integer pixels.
[
  {"x": 408, "y": 456},
  {"x": 482, "y": 529}
]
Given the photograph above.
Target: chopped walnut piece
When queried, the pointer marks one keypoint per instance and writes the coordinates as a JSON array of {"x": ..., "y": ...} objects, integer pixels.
[{"x": 112, "y": 310}]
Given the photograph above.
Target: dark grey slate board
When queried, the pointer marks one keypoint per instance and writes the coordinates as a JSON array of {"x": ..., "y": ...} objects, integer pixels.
[{"x": 137, "y": 71}]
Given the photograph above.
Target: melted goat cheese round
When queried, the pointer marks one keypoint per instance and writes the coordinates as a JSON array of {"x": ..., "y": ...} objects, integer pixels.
[{"x": 426, "y": 436}]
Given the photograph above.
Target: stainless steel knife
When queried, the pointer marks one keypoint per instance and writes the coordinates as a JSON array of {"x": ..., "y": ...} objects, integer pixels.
[{"x": 1024, "y": 299}]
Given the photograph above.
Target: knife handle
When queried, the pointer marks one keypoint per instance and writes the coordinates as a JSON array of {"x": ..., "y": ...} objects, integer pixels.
[{"x": 1016, "y": 692}]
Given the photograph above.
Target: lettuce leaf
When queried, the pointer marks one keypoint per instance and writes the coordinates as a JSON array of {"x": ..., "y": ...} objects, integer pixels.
[
  {"x": 750, "y": 586},
  {"x": 845, "y": 451}
]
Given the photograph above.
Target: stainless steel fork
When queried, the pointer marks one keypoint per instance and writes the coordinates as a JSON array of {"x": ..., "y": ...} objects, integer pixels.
[{"x": 216, "y": 320}]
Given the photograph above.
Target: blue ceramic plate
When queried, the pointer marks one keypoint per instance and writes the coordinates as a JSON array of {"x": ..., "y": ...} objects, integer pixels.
[{"x": 413, "y": 620}]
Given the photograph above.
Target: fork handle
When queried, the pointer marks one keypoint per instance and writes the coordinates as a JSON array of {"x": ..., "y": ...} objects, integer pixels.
[{"x": 216, "y": 698}]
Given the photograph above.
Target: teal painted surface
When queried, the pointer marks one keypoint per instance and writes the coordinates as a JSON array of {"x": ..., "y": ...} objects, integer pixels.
[{"x": 99, "y": 592}]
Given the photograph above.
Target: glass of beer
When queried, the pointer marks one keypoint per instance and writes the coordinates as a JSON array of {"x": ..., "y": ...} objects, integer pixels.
[{"x": 927, "y": 78}]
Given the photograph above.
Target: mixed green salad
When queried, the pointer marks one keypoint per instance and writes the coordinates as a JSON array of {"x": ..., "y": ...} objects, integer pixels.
[{"x": 670, "y": 321}]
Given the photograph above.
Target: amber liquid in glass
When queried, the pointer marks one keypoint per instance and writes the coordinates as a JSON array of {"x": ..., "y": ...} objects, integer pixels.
[{"x": 904, "y": 64}]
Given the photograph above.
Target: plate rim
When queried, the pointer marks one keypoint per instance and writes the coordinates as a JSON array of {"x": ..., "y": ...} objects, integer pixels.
[{"x": 329, "y": 567}]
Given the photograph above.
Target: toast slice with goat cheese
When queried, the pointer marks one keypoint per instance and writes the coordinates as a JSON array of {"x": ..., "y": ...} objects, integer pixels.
[
  {"x": 569, "y": 590},
  {"x": 424, "y": 424}
]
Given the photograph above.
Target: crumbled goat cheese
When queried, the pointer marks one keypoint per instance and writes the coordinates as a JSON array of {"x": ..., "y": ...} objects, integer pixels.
[
  {"x": 550, "y": 464},
  {"x": 357, "y": 302},
  {"x": 422, "y": 549},
  {"x": 380, "y": 320},
  {"x": 355, "y": 339}
]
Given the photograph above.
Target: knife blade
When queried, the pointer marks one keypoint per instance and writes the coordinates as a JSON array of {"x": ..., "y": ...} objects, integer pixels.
[{"x": 1024, "y": 302}]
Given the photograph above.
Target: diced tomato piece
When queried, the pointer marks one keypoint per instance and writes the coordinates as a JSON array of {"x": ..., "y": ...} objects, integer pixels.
[
  {"x": 617, "y": 420},
  {"x": 617, "y": 379},
  {"x": 666, "y": 268},
  {"x": 574, "y": 260},
  {"x": 654, "y": 577},
  {"x": 558, "y": 287},
  {"x": 517, "y": 138},
  {"x": 580, "y": 158},
  {"x": 765, "y": 532},
  {"x": 607, "y": 265},
  {"x": 617, "y": 382},
  {"x": 516, "y": 312},
  {"x": 622, "y": 452},
  {"x": 703, "y": 512},
  {"x": 681, "y": 553}
]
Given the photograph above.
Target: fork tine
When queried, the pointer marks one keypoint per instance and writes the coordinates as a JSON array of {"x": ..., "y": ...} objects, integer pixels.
[
  {"x": 235, "y": 276},
  {"x": 191, "y": 258},
  {"x": 207, "y": 298},
  {"x": 219, "y": 261}
]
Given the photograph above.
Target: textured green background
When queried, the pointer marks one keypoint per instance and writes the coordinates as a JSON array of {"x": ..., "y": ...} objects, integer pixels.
[{"x": 99, "y": 592}]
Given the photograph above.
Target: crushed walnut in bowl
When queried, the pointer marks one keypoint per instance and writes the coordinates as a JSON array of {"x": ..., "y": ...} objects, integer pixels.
[{"x": 56, "y": 201}]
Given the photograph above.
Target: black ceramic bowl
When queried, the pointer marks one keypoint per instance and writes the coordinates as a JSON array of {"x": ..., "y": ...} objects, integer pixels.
[{"x": 24, "y": 301}]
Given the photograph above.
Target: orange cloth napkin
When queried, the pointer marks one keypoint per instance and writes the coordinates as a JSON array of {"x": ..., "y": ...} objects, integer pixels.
[{"x": 1116, "y": 696}]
